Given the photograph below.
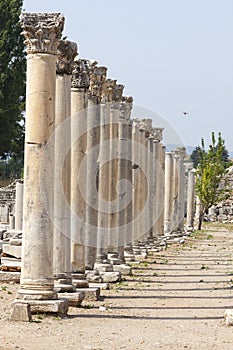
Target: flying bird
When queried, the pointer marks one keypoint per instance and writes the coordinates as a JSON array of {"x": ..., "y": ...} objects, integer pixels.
[{"x": 185, "y": 113}]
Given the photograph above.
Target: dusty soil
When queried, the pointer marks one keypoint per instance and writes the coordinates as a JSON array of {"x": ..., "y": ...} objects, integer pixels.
[{"x": 175, "y": 300}]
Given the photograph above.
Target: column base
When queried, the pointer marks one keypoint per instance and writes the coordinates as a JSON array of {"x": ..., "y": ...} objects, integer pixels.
[
  {"x": 90, "y": 294},
  {"x": 79, "y": 280},
  {"x": 64, "y": 285},
  {"x": 34, "y": 294},
  {"x": 73, "y": 298},
  {"x": 22, "y": 309}
]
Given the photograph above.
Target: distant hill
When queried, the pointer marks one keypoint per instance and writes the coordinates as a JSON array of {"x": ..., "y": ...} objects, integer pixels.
[
  {"x": 172, "y": 147},
  {"x": 189, "y": 149}
]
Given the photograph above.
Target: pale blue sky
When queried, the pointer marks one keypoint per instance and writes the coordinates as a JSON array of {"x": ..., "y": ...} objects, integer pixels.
[{"x": 171, "y": 55}]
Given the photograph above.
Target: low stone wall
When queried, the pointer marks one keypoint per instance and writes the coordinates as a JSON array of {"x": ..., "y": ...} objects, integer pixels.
[
  {"x": 223, "y": 211},
  {"x": 7, "y": 201}
]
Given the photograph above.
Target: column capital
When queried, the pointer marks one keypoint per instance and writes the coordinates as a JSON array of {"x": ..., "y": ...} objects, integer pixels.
[
  {"x": 144, "y": 125},
  {"x": 180, "y": 152},
  {"x": 107, "y": 90},
  {"x": 97, "y": 79},
  {"x": 67, "y": 51},
  {"x": 126, "y": 106},
  {"x": 157, "y": 134},
  {"x": 81, "y": 74},
  {"x": 42, "y": 31}
]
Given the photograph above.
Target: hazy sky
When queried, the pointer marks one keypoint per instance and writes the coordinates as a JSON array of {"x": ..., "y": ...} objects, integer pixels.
[{"x": 171, "y": 55}]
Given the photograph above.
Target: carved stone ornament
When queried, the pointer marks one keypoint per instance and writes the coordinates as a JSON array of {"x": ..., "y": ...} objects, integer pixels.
[
  {"x": 118, "y": 92},
  {"x": 81, "y": 74},
  {"x": 157, "y": 134},
  {"x": 107, "y": 90},
  {"x": 42, "y": 31},
  {"x": 144, "y": 125},
  {"x": 126, "y": 106},
  {"x": 66, "y": 53},
  {"x": 97, "y": 79},
  {"x": 180, "y": 152}
]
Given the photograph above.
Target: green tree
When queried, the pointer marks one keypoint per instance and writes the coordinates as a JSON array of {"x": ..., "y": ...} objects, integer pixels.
[
  {"x": 196, "y": 158},
  {"x": 12, "y": 81},
  {"x": 211, "y": 185}
]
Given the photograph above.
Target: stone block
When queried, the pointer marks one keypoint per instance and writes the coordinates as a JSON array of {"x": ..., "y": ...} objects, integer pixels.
[
  {"x": 90, "y": 294},
  {"x": 102, "y": 285},
  {"x": 93, "y": 277},
  {"x": 15, "y": 241},
  {"x": 123, "y": 269},
  {"x": 228, "y": 317},
  {"x": 111, "y": 277},
  {"x": 21, "y": 312},
  {"x": 101, "y": 267},
  {"x": 53, "y": 306},
  {"x": 9, "y": 277},
  {"x": 12, "y": 250},
  {"x": 74, "y": 299}
]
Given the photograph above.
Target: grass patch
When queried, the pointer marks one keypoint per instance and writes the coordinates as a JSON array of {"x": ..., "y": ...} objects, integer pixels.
[{"x": 203, "y": 267}]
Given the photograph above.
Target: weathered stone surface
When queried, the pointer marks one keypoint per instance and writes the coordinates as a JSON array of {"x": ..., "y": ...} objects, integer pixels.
[
  {"x": 103, "y": 267},
  {"x": 93, "y": 277},
  {"x": 99, "y": 285},
  {"x": 228, "y": 317},
  {"x": 57, "y": 306},
  {"x": 12, "y": 250},
  {"x": 111, "y": 277},
  {"x": 74, "y": 299},
  {"x": 91, "y": 294},
  {"x": 9, "y": 277},
  {"x": 21, "y": 312},
  {"x": 123, "y": 269}
]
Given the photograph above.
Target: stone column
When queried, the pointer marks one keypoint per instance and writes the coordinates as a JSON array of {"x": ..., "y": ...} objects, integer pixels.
[
  {"x": 42, "y": 33},
  {"x": 113, "y": 170},
  {"x": 158, "y": 181},
  {"x": 125, "y": 109},
  {"x": 151, "y": 170},
  {"x": 19, "y": 206},
  {"x": 129, "y": 177},
  {"x": 181, "y": 189},
  {"x": 198, "y": 212},
  {"x": 175, "y": 192},
  {"x": 62, "y": 261},
  {"x": 104, "y": 155},
  {"x": 190, "y": 200},
  {"x": 97, "y": 80},
  {"x": 168, "y": 199},
  {"x": 135, "y": 180},
  {"x": 145, "y": 128},
  {"x": 162, "y": 190},
  {"x": 80, "y": 84}
]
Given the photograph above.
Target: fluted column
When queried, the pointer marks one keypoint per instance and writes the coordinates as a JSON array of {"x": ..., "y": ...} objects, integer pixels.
[
  {"x": 19, "y": 206},
  {"x": 125, "y": 109},
  {"x": 158, "y": 181},
  {"x": 42, "y": 33},
  {"x": 168, "y": 199},
  {"x": 104, "y": 154},
  {"x": 151, "y": 169},
  {"x": 190, "y": 200},
  {"x": 181, "y": 151},
  {"x": 79, "y": 91},
  {"x": 113, "y": 169},
  {"x": 162, "y": 190},
  {"x": 62, "y": 245},
  {"x": 135, "y": 180},
  {"x": 175, "y": 191},
  {"x": 97, "y": 80}
]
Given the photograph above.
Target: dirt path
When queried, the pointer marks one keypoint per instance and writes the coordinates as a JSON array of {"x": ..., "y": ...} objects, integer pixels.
[{"x": 175, "y": 300}]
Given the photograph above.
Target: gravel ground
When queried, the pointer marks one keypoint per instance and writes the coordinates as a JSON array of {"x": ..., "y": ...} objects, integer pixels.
[{"x": 174, "y": 300}]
